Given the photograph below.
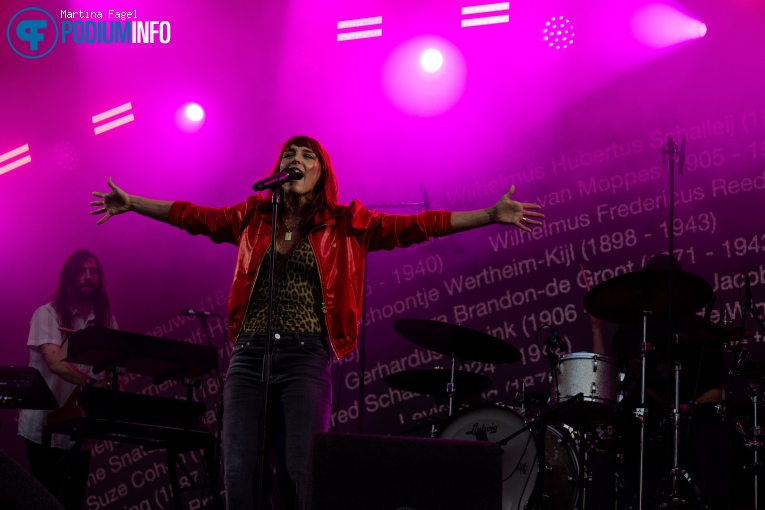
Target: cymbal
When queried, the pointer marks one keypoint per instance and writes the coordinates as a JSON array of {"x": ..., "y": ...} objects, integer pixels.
[
  {"x": 434, "y": 381},
  {"x": 751, "y": 370},
  {"x": 622, "y": 299},
  {"x": 725, "y": 334},
  {"x": 458, "y": 341}
]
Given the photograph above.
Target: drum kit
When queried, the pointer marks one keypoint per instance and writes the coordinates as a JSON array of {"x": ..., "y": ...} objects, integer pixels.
[{"x": 545, "y": 450}]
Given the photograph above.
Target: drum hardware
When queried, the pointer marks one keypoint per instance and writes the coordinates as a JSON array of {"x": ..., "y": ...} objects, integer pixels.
[
  {"x": 445, "y": 385},
  {"x": 456, "y": 342},
  {"x": 439, "y": 382},
  {"x": 676, "y": 472},
  {"x": 534, "y": 456},
  {"x": 596, "y": 376},
  {"x": 538, "y": 496},
  {"x": 654, "y": 295},
  {"x": 755, "y": 392}
]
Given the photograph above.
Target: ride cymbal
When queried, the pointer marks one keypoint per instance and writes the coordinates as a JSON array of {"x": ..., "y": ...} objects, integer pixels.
[
  {"x": 456, "y": 341},
  {"x": 434, "y": 381},
  {"x": 624, "y": 298}
]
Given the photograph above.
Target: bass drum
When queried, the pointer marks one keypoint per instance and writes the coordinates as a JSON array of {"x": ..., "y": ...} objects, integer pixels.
[{"x": 494, "y": 422}]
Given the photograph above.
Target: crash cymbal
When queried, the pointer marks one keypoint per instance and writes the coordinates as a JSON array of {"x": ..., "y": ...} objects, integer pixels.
[
  {"x": 726, "y": 334},
  {"x": 434, "y": 381},
  {"x": 458, "y": 341},
  {"x": 623, "y": 298},
  {"x": 751, "y": 370}
]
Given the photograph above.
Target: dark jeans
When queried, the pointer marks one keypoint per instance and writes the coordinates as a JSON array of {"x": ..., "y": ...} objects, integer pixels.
[
  {"x": 300, "y": 399},
  {"x": 50, "y": 466}
]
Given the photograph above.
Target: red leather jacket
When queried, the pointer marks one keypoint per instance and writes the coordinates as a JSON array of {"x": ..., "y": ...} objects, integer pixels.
[{"x": 339, "y": 243}]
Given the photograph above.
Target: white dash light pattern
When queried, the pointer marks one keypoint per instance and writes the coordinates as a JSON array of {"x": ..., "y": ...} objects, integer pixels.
[
  {"x": 117, "y": 122},
  {"x": 350, "y": 27},
  {"x": 7, "y": 167},
  {"x": 484, "y": 9}
]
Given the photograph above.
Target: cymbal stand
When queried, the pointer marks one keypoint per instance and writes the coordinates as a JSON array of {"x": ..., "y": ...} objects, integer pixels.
[
  {"x": 675, "y": 473},
  {"x": 755, "y": 391},
  {"x": 451, "y": 388},
  {"x": 640, "y": 412}
]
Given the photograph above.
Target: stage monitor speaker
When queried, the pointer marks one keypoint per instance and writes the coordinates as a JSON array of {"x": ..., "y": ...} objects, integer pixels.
[
  {"x": 386, "y": 473},
  {"x": 20, "y": 491}
]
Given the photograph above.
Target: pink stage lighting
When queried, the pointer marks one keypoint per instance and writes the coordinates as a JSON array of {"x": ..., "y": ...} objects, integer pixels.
[
  {"x": 558, "y": 33},
  {"x": 194, "y": 112},
  {"x": 189, "y": 117},
  {"x": 660, "y": 26},
  {"x": 114, "y": 120},
  {"x": 431, "y": 60},
  {"x": 7, "y": 167}
]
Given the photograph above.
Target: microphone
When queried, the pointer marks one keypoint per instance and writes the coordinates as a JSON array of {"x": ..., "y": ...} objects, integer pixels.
[
  {"x": 276, "y": 180},
  {"x": 425, "y": 199},
  {"x": 557, "y": 341},
  {"x": 188, "y": 312}
]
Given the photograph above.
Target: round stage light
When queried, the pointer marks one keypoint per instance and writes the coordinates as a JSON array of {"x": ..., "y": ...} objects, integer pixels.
[
  {"x": 195, "y": 112},
  {"x": 431, "y": 60},
  {"x": 558, "y": 33}
]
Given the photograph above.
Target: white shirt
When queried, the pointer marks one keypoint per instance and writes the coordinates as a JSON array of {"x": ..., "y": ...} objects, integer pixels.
[{"x": 44, "y": 330}]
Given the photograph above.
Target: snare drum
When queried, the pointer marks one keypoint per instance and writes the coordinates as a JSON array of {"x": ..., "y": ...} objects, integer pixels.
[
  {"x": 596, "y": 376},
  {"x": 494, "y": 422}
]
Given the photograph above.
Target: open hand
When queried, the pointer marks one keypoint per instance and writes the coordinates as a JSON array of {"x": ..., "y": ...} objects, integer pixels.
[
  {"x": 113, "y": 203},
  {"x": 509, "y": 212}
]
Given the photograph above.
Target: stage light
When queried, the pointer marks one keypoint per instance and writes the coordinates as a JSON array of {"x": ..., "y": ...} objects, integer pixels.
[
  {"x": 431, "y": 60},
  {"x": 12, "y": 154},
  {"x": 558, "y": 33},
  {"x": 65, "y": 155},
  {"x": 660, "y": 26},
  {"x": 359, "y": 34},
  {"x": 119, "y": 121},
  {"x": 195, "y": 112},
  {"x": 189, "y": 117},
  {"x": 485, "y": 20}
]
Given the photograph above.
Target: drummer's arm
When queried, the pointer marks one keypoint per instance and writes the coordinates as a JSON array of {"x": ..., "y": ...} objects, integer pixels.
[
  {"x": 598, "y": 346},
  {"x": 711, "y": 395}
]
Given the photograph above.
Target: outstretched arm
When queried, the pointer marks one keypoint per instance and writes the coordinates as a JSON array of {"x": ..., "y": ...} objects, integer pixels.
[
  {"x": 117, "y": 202},
  {"x": 506, "y": 212}
]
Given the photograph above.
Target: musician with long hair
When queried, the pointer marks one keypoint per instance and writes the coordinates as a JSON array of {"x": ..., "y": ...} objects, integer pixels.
[
  {"x": 80, "y": 300},
  {"x": 320, "y": 254}
]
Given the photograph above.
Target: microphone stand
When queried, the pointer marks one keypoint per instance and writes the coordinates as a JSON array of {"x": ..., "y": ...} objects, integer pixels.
[
  {"x": 362, "y": 351},
  {"x": 276, "y": 198},
  {"x": 670, "y": 152}
]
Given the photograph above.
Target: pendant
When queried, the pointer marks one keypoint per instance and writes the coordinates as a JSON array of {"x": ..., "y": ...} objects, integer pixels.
[{"x": 288, "y": 235}]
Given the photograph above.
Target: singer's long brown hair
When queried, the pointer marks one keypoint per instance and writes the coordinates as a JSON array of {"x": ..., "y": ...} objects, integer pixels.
[
  {"x": 63, "y": 298},
  {"x": 324, "y": 197}
]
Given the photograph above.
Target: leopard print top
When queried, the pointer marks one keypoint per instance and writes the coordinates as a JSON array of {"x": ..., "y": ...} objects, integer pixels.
[{"x": 297, "y": 294}]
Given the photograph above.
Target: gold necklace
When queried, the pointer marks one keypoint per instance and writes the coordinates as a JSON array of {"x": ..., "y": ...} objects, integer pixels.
[{"x": 288, "y": 234}]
